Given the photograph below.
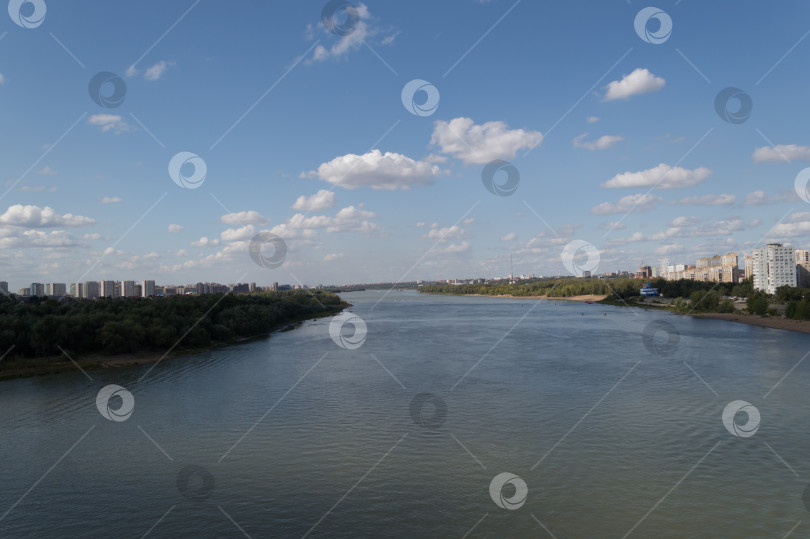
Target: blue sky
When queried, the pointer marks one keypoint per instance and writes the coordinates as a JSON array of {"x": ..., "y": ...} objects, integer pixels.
[{"x": 622, "y": 130}]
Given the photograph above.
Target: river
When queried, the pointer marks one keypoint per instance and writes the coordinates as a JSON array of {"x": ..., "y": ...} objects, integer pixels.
[{"x": 454, "y": 415}]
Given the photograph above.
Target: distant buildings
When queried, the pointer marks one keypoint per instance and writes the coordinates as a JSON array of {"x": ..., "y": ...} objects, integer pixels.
[
  {"x": 803, "y": 267},
  {"x": 773, "y": 266},
  {"x": 718, "y": 268},
  {"x": 55, "y": 289},
  {"x": 147, "y": 289},
  {"x": 3, "y": 287},
  {"x": 36, "y": 289},
  {"x": 127, "y": 289}
]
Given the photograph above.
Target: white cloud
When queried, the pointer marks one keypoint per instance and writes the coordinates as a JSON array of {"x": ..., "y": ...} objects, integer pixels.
[
  {"x": 708, "y": 200},
  {"x": 640, "y": 81},
  {"x": 332, "y": 256},
  {"x": 36, "y": 217},
  {"x": 759, "y": 198},
  {"x": 592, "y": 119},
  {"x": 2, "y": 79},
  {"x": 348, "y": 43},
  {"x": 602, "y": 143},
  {"x": 17, "y": 238},
  {"x": 376, "y": 170},
  {"x": 691, "y": 227},
  {"x": 781, "y": 152},
  {"x": 243, "y": 218},
  {"x": 91, "y": 237},
  {"x": 175, "y": 229},
  {"x": 638, "y": 203},
  {"x": 110, "y": 200},
  {"x": 480, "y": 144},
  {"x": 670, "y": 248},
  {"x": 47, "y": 171},
  {"x": 509, "y": 237},
  {"x": 613, "y": 225},
  {"x": 446, "y": 233},
  {"x": 454, "y": 249},
  {"x": 131, "y": 71},
  {"x": 181, "y": 252},
  {"x": 797, "y": 224},
  {"x": 156, "y": 71},
  {"x": 109, "y": 122},
  {"x": 663, "y": 177},
  {"x": 238, "y": 234},
  {"x": 322, "y": 200},
  {"x": 349, "y": 219},
  {"x": 205, "y": 242}
]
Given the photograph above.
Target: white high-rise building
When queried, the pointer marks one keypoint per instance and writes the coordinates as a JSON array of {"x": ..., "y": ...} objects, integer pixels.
[
  {"x": 774, "y": 266},
  {"x": 77, "y": 290},
  {"x": 127, "y": 289},
  {"x": 108, "y": 289},
  {"x": 147, "y": 289},
  {"x": 55, "y": 289}
]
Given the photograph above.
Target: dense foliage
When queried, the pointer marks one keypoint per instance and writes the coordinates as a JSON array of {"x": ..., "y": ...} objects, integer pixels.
[
  {"x": 38, "y": 327},
  {"x": 561, "y": 288}
]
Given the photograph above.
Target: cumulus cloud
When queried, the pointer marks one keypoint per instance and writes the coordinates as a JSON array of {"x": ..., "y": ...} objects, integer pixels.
[
  {"x": 480, "y": 144},
  {"x": 243, "y": 218},
  {"x": 708, "y": 200},
  {"x": 377, "y": 170},
  {"x": 445, "y": 233},
  {"x": 613, "y": 225},
  {"x": 509, "y": 237},
  {"x": 602, "y": 143},
  {"x": 156, "y": 71},
  {"x": 453, "y": 249},
  {"x": 797, "y": 224},
  {"x": 47, "y": 171},
  {"x": 670, "y": 248},
  {"x": 17, "y": 238},
  {"x": 349, "y": 219},
  {"x": 592, "y": 119},
  {"x": 348, "y": 43},
  {"x": 110, "y": 200},
  {"x": 332, "y": 256},
  {"x": 663, "y": 177},
  {"x": 175, "y": 229},
  {"x": 36, "y": 217},
  {"x": 640, "y": 81},
  {"x": 691, "y": 227},
  {"x": 322, "y": 200},
  {"x": 781, "y": 152},
  {"x": 205, "y": 242},
  {"x": 759, "y": 198},
  {"x": 109, "y": 122},
  {"x": 638, "y": 203},
  {"x": 238, "y": 234}
]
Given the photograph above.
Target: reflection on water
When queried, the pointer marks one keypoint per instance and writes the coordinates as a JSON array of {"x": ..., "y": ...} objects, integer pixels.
[{"x": 452, "y": 414}]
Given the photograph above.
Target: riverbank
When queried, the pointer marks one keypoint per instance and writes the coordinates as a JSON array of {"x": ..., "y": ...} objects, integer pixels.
[
  {"x": 58, "y": 364},
  {"x": 773, "y": 322},
  {"x": 586, "y": 297}
]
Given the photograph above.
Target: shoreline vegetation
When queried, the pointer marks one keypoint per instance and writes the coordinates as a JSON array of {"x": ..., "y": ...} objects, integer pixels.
[
  {"x": 114, "y": 333},
  {"x": 788, "y": 309}
]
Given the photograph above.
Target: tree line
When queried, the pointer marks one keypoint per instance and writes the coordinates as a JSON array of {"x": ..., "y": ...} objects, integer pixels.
[{"x": 39, "y": 327}]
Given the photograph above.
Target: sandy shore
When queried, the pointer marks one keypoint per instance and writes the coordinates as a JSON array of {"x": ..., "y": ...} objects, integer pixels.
[
  {"x": 774, "y": 322},
  {"x": 587, "y": 297}
]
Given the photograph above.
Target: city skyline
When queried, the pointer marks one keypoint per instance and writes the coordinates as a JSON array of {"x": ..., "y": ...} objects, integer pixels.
[{"x": 640, "y": 151}]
